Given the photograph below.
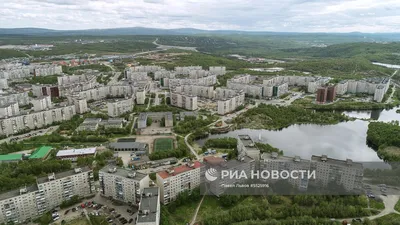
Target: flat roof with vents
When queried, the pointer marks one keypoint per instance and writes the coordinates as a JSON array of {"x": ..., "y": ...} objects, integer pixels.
[
  {"x": 148, "y": 206},
  {"x": 41, "y": 152},
  {"x": 76, "y": 152}
]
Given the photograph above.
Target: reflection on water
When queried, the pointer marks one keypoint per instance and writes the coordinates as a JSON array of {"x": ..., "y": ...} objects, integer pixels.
[{"x": 341, "y": 141}]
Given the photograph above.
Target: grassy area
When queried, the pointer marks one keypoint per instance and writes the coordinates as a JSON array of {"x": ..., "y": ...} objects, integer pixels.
[
  {"x": 78, "y": 221},
  {"x": 10, "y": 53},
  {"x": 391, "y": 219},
  {"x": 397, "y": 207},
  {"x": 163, "y": 144},
  {"x": 376, "y": 204}
]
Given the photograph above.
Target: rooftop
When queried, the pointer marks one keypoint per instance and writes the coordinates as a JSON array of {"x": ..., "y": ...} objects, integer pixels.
[
  {"x": 216, "y": 161},
  {"x": 247, "y": 142},
  {"x": 10, "y": 157},
  {"x": 61, "y": 175},
  {"x": 71, "y": 152},
  {"x": 91, "y": 120},
  {"x": 128, "y": 145},
  {"x": 148, "y": 205},
  {"x": 180, "y": 169},
  {"x": 16, "y": 192},
  {"x": 41, "y": 152},
  {"x": 122, "y": 172},
  {"x": 275, "y": 156},
  {"x": 337, "y": 162}
]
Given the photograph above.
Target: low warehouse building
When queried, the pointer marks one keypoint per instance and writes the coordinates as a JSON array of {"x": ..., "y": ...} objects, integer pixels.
[{"x": 74, "y": 154}]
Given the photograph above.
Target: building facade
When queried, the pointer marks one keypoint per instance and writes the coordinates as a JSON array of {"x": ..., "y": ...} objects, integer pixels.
[
  {"x": 122, "y": 184},
  {"x": 119, "y": 107},
  {"x": 188, "y": 102},
  {"x": 42, "y": 103}
]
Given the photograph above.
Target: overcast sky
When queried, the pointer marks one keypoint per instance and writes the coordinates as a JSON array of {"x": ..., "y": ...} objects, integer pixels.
[{"x": 252, "y": 15}]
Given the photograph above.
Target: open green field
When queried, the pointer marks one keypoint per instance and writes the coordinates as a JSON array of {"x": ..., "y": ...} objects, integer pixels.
[{"x": 163, "y": 144}]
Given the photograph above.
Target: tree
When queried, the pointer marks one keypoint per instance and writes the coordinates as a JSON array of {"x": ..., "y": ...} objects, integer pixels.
[{"x": 149, "y": 121}]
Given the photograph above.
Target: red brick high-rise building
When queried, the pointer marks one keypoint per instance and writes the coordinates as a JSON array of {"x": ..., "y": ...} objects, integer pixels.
[
  {"x": 331, "y": 94},
  {"x": 322, "y": 93}
]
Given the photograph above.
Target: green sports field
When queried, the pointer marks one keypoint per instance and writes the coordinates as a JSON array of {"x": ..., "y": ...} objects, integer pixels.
[{"x": 163, "y": 144}]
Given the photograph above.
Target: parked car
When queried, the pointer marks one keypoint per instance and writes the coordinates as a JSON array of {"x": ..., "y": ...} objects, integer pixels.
[
  {"x": 117, "y": 216},
  {"x": 130, "y": 220}
]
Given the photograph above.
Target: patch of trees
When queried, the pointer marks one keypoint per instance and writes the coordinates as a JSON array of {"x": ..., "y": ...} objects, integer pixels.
[
  {"x": 267, "y": 148},
  {"x": 16, "y": 175},
  {"x": 381, "y": 135},
  {"x": 72, "y": 201},
  {"x": 226, "y": 142},
  {"x": 277, "y": 117},
  {"x": 43, "y": 79},
  {"x": 191, "y": 122}
]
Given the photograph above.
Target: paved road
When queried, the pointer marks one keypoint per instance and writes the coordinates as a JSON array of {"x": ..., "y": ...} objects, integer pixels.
[
  {"x": 190, "y": 147},
  {"x": 32, "y": 133}
]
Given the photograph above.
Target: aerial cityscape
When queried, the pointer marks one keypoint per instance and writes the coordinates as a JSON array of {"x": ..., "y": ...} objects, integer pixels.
[{"x": 162, "y": 112}]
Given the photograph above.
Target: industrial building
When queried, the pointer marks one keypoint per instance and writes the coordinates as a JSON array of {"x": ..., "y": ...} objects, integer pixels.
[
  {"x": 10, "y": 158},
  {"x": 41, "y": 152},
  {"x": 74, "y": 154},
  {"x": 122, "y": 184},
  {"x": 178, "y": 179},
  {"x": 129, "y": 146},
  {"x": 149, "y": 207}
]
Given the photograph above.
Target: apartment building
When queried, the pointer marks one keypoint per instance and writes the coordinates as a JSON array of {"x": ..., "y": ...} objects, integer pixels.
[
  {"x": 58, "y": 187},
  {"x": 216, "y": 187},
  {"x": 147, "y": 69},
  {"x": 140, "y": 96},
  {"x": 158, "y": 75},
  {"x": 39, "y": 90},
  {"x": 195, "y": 74},
  {"x": 254, "y": 90},
  {"x": 15, "y": 73},
  {"x": 372, "y": 86},
  {"x": 179, "y": 179},
  {"x": 156, "y": 117},
  {"x": 80, "y": 105},
  {"x": 217, "y": 70},
  {"x": 46, "y": 70},
  {"x": 186, "y": 69},
  {"x": 228, "y": 100},
  {"x": 247, "y": 147},
  {"x": 135, "y": 76},
  {"x": 181, "y": 100},
  {"x": 379, "y": 93},
  {"x": 347, "y": 173},
  {"x": 35, "y": 120},
  {"x": 122, "y": 184},
  {"x": 149, "y": 207},
  {"x": 203, "y": 81},
  {"x": 196, "y": 90},
  {"x": 120, "y": 106},
  {"x": 21, "y": 98},
  {"x": 42, "y": 103},
  {"x": 75, "y": 79},
  {"x": 111, "y": 91},
  {"x": 242, "y": 78},
  {"x": 9, "y": 110},
  {"x": 275, "y": 162},
  {"x": 312, "y": 86},
  {"x": 341, "y": 87},
  {"x": 20, "y": 205},
  {"x": 3, "y": 83}
]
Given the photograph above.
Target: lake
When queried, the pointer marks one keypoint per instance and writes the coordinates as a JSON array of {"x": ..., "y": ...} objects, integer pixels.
[{"x": 341, "y": 141}]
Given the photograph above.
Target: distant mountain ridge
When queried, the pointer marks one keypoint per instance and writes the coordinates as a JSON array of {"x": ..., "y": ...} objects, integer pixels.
[{"x": 179, "y": 31}]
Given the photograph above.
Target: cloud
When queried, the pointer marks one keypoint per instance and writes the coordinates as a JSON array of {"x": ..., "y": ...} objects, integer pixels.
[{"x": 252, "y": 15}]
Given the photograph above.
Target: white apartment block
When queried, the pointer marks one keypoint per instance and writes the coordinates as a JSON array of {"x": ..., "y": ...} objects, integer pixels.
[
  {"x": 75, "y": 79},
  {"x": 195, "y": 74},
  {"x": 158, "y": 75},
  {"x": 281, "y": 89},
  {"x": 35, "y": 120},
  {"x": 314, "y": 85},
  {"x": 341, "y": 87},
  {"x": 228, "y": 105},
  {"x": 242, "y": 78},
  {"x": 21, "y": 205},
  {"x": 247, "y": 147},
  {"x": 253, "y": 90},
  {"x": 379, "y": 93},
  {"x": 3, "y": 83},
  {"x": 344, "y": 172},
  {"x": 62, "y": 186},
  {"x": 136, "y": 76},
  {"x": 42, "y": 103},
  {"x": 176, "y": 180},
  {"x": 149, "y": 207},
  {"x": 120, "y": 106},
  {"x": 217, "y": 70},
  {"x": 47, "y": 70},
  {"x": 186, "y": 69},
  {"x": 140, "y": 96},
  {"x": 113, "y": 91},
  {"x": 122, "y": 184},
  {"x": 196, "y": 90},
  {"x": 80, "y": 106},
  {"x": 15, "y": 73},
  {"x": 147, "y": 69},
  {"x": 9, "y": 110},
  {"x": 181, "y": 100},
  {"x": 373, "y": 86},
  {"x": 21, "y": 98},
  {"x": 203, "y": 81},
  {"x": 274, "y": 161}
]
